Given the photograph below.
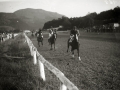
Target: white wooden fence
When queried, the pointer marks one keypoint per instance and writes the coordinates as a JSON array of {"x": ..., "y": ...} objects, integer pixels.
[{"x": 65, "y": 83}]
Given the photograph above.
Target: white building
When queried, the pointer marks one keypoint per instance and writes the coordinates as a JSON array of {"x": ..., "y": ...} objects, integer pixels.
[{"x": 26, "y": 31}]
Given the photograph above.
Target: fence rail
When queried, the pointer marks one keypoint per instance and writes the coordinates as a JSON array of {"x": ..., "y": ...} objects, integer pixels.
[{"x": 65, "y": 83}]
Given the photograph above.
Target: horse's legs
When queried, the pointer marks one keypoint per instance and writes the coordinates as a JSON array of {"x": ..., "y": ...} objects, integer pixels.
[
  {"x": 68, "y": 48},
  {"x": 73, "y": 53},
  {"x": 38, "y": 43},
  {"x": 49, "y": 41},
  {"x": 67, "y": 45},
  {"x": 54, "y": 45},
  {"x": 42, "y": 43},
  {"x": 51, "y": 47}
]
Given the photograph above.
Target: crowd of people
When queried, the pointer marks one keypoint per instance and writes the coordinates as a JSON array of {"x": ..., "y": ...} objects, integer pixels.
[{"x": 4, "y": 36}]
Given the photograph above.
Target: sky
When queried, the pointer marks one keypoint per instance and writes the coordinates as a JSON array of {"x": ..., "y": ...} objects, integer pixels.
[{"x": 69, "y": 8}]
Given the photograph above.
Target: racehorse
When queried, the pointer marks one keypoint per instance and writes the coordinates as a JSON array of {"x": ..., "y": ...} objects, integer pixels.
[
  {"x": 52, "y": 40},
  {"x": 1, "y": 39},
  {"x": 39, "y": 39},
  {"x": 74, "y": 45},
  {"x": 36, "y": 34},
  {"x": 32, "y": 34}
]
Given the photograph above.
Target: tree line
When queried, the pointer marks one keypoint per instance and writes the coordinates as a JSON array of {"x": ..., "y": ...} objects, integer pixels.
[{"x": 88, "y": 21}]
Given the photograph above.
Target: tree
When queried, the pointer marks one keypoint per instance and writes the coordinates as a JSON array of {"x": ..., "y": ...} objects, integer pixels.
[{"x": 66, "y": 23}]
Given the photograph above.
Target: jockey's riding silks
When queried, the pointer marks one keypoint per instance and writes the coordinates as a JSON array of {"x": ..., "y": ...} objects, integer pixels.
[
  {"x": 74, "y": 33},
  {"x": 40, "y": 35},
  {"x": 50, "y": 33}
]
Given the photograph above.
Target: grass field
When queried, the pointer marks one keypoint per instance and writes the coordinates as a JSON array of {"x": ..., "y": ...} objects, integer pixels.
[{"x": 99, "y": 68}]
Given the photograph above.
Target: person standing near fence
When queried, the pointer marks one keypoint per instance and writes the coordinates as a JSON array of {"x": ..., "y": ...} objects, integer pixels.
[{"x": 12, "y": 35}]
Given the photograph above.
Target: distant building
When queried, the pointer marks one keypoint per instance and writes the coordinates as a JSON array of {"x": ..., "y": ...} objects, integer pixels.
[{"x": 27, "y": 31}]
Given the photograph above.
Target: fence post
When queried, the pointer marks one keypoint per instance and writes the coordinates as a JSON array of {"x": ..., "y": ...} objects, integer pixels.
[
  {"x": 62, "y": 86},
  {"x": 34, "y": 55},
  {"x": 31, "y": 50},
  {"x": 42, "y": 72}
]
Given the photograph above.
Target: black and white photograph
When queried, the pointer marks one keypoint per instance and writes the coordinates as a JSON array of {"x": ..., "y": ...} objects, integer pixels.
[{"x": 59, "y": 44}]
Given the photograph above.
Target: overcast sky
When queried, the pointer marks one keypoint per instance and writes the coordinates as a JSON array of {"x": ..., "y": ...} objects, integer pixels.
[{"x": 69, "y": 8}]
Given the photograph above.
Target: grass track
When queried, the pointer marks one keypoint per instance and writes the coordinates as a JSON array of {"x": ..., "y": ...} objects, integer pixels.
[{"x": 100, "y": 65}]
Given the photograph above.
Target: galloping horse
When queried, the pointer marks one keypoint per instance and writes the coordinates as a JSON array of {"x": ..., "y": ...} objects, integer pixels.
[
  {"x": 39, "y": 39},
  {"x": 52, "y": 40},
  {"x": 32, "y": 34},
  {"x": 1, "y": 39},
  {"x": 74, "y": 45}
]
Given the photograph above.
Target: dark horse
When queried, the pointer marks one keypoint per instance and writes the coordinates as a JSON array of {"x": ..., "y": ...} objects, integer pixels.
[
  {"x": 39, "y": 39},
  {"x": 74, "y": 45},
  {"x": 52, "y": 40},
  {"x": 32, "y": 34}
]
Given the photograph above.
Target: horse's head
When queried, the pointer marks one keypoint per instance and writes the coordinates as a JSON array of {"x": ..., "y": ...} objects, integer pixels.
[
  {"x": 55, "y": 35},
  {"x": 73, "y": 38}
]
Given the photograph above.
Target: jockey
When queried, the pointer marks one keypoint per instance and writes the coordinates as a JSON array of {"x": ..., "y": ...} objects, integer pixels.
[
  {"x": 50, "y": 33},
  {"x": 74, "y": 33},
  {"x": 40, "y": 33},
  {"x": 55, "y": 33}
]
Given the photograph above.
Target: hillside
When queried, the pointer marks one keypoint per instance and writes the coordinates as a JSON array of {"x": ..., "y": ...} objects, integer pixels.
[
  {"x": 27, "y": 18},
  {"x": 10, "y": 19},
  {"x": 36, "y": 17}
]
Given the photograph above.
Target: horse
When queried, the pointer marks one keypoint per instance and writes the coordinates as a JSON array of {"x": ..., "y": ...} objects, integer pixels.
[
  {"x": 52, "y": 40},
  {"x": 36, "y": 34},
  {"x": 39, "y": 39},
  {"x": 32, "y": 34},
  {"x": 74, "y": 45},
  {"x": 0, "y": 37}
]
